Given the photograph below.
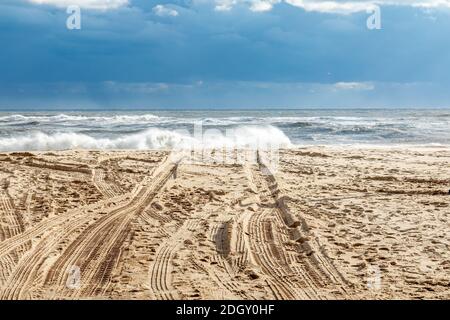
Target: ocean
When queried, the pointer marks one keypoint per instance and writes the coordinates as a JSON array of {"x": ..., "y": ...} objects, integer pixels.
[{"x": 20, "y": 131}]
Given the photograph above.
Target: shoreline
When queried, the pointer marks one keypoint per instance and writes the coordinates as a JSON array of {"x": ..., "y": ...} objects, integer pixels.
[{"x": 401, "y": 147}]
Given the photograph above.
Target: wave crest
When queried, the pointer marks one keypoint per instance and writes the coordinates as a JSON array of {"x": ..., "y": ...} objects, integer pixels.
[
  {"x": 258, "y": 137},
  {"x": 68, "y": 118}
]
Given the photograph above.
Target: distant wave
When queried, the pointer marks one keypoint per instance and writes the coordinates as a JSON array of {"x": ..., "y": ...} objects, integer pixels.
[
  {"x": 243, "y": 137},
  {"x": 82, "y": 119}
]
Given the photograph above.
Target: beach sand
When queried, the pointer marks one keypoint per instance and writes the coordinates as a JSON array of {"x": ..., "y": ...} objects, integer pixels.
[{"x": 320, "y": 223}]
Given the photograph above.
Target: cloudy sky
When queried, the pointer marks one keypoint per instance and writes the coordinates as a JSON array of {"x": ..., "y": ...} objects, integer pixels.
[{"x": 224, "y": 54}]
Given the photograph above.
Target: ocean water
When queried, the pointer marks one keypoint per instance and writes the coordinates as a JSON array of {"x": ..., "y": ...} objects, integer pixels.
[{"x": 21, "y": 131}]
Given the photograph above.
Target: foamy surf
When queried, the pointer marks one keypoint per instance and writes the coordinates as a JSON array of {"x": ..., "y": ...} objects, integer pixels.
[
  {"x": 257, "y": 137},
  {"x": 172, "y": 128}
]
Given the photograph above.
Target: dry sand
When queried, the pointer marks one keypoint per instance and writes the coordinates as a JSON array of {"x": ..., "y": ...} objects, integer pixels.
[{"x": 329, "y": 223}]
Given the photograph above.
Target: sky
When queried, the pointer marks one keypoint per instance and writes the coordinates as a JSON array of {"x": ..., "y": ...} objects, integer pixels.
[{"x": 224, "y": 54}]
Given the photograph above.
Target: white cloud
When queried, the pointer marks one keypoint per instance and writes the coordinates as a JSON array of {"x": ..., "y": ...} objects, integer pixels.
[
  {"x": 254, "y": 5},
  {"x": 324, "y": 6},
  {"x": 353, "y": 86},
  {"x": 163, "y": 11},
  {"x": 348, "y": 7},
  {"x": 340, "y": 7},
  {"x": 432, "y": 4},
  {"x": 225, "y": 5},
  {"x": 263, "y": 5},
  {"x": 86, "y": 4},
  {"x": 331, "y": 6}
]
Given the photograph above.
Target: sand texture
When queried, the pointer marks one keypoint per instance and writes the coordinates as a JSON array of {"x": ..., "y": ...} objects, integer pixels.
[{"x": 325, "y": 223}]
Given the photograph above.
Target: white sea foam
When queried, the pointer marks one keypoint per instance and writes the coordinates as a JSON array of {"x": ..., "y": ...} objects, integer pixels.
[
  {"x": 81, "y": 119},
  {"x": 155, "y": 129},
  {"x": 154, "y": 138}
]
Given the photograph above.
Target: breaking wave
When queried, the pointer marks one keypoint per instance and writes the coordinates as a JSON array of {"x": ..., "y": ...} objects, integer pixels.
[
  {"x": 160, "y": 128},
  {"x": 257, "y": 137}
]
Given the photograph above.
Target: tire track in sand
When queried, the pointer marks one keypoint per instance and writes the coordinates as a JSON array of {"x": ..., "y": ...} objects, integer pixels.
[
  {"x": 160, "y": 273},
  {"x": 268, "y": 230},
  {"x": 48, "y": 236},
  {"x": 220, "y": 235},
  {"x": 61, "y": 228},
  {"x": 108, "y": 190},
  {"x": 97, "y": 249},
  {"x": 11, "y": 224}
]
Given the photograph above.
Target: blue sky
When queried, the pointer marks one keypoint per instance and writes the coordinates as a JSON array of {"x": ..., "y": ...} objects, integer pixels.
[{"x": 224, "y": 54}]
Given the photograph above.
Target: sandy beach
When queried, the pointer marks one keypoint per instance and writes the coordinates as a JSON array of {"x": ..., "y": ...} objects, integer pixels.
[{"x": 326, "y": 223}]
